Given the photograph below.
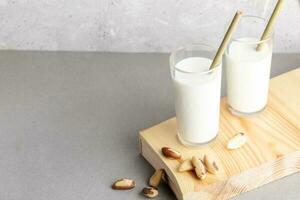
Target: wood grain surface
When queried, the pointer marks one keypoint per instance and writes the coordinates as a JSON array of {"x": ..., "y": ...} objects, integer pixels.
[{"x": 272, "y": 150}]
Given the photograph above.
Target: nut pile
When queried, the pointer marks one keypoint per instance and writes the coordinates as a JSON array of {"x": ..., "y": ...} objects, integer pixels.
[
  {"x": 154, "y": 182},
  {"x": 150, "y": 191},
  {"x": 201, "y": 166}
]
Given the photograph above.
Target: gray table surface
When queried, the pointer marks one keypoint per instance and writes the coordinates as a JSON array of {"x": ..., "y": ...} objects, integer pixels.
[{"x": 69, "y": 124}]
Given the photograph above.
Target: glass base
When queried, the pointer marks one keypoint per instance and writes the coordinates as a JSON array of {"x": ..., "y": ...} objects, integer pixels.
[
  {"x": 194, "y": 144},
  {"x": 243, "y": 114}
]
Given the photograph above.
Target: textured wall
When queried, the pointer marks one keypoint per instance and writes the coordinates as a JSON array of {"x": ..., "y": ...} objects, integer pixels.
[{"x": 133, "y": 25}]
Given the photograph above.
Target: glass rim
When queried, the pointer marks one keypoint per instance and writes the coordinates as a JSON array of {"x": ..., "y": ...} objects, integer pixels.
[
  {"x": 270, "y": 36},
  {"x": 186, "y": 47}
]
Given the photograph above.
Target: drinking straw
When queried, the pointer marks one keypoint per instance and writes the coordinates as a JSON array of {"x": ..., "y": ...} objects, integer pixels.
[
  {"x": 226, "y": 39},
  {"x": 270, "y": 24}
]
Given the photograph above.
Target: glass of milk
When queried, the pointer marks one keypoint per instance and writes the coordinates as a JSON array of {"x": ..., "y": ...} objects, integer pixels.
[
  {"x": 247, "y": 68},
  {"x": 197, "y": 93}
]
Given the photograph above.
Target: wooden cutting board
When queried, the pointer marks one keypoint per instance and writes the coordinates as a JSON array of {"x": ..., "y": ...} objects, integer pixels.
[{"x": 272, "y": 150}]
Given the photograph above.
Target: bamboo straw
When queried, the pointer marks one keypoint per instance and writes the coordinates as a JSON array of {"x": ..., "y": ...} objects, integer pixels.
[
  {"x": 270, "y": 24},
  {"x": 226, "y": 39}
]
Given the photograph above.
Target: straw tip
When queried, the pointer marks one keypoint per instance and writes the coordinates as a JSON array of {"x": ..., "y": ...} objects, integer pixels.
[{"x": 239, "y": 12}]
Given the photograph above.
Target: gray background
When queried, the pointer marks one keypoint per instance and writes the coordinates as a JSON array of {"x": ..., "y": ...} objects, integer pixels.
[
  {"x": 69, "y": 124},
  {"x": 133, "y": 25}
]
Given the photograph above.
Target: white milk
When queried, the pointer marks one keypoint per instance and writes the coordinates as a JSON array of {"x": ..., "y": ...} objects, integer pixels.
[
  {"x": 197, "y": 99},
  {"x": 248, "y": 74}
]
